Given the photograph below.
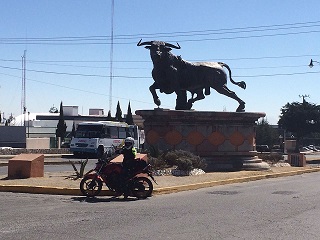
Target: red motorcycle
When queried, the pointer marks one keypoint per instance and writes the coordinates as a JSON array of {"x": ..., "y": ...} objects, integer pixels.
[{"x": 135, "y": 183}]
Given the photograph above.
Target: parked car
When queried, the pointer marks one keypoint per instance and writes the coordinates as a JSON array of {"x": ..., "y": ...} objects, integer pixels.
[
  {"x": 305, "y": 150},
  {"x": 262, "y": 148},
  {"x": 276, "y": 148},
  {"x": 66, "y": 142},
  {"x": 313, "y": 148}
]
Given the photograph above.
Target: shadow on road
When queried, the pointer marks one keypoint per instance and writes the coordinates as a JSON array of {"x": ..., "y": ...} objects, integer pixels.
[{"x": 99, "y": 199}]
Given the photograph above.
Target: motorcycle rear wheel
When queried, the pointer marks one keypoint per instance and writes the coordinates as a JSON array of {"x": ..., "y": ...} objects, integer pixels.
[
  {"x": 142, "y": 187},
  {"x": 90, "y": 187}
]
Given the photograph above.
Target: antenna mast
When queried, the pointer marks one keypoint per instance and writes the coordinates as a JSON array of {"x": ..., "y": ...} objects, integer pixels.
[
  {"x": 111, "y": 58},
  {"x": 304, "y": 97},
  {"x": 23, "y": 91}
]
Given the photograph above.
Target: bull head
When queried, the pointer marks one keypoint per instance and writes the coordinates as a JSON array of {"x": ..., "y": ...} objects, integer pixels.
[{"x": 167, "y": 46}]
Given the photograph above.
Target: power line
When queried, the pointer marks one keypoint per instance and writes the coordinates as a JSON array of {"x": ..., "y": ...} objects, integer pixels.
[
  {"x": 50, "y": 62},
  {"x": 85, "y": 40},
  {"x": 275, "y": 74},
  {"x": 149, "y": 77},
  {"x": 215, "y": 32},
  {"x": 54, "y": 62},
  {"x": 219, "y": 30},
  {"x": 150, "y": 102},
  {"x": 77, "y": 89},
  {"x": 175, "y": 34},
  {"x": 103, "y": 42},
  {"x": 71, "y": 74}
]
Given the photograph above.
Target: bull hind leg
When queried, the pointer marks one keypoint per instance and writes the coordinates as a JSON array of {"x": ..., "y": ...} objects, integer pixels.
[
  {"x": 199, "y": 96},
  {"x": 227, "y": 92}
]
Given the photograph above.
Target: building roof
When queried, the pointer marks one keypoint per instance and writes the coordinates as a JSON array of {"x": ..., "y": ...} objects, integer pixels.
[{"x": 19, "y": 120}]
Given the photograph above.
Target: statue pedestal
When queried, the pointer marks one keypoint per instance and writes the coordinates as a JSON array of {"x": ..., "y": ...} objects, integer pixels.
[{"x": 225, "y": 139}]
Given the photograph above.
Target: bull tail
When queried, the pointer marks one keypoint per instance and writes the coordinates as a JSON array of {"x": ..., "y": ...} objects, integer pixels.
[{"x": 241, "y": 84}]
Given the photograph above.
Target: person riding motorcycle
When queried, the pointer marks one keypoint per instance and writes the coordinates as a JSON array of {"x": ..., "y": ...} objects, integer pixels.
[{"x": 129, "y": 153}]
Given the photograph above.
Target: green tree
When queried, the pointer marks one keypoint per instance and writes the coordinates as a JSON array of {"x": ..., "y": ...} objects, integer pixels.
[
  {"x": 9, "y": 120},
  {"x": 266, "y": 134},
  {"x": 73, "y": 131},
  {"x": 109, "y": 117},
  {"x": 119, "y": 113},
  {"x": 53, "y": 109},
  {"x": 129, "y": 118},
  {"x": 301, "y": 119},
  {"x": 61, "y": 126}
]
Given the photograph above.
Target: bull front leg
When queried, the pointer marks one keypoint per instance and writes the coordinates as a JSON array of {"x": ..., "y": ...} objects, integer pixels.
[{"x": 156, "y": 99}]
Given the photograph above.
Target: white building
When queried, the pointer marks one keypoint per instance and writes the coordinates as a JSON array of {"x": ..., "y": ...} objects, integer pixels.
[{"x": 45, "y": 124}]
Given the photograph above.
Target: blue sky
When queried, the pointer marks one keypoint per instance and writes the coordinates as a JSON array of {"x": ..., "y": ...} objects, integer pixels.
[{"x": 267, "y": 44}]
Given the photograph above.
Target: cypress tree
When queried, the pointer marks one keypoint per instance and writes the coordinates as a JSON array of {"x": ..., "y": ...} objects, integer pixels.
[
  {"x": 129, "y": 118},
  {"x": 118, "y": 113},
  {"x": 61, "y": 126},
  {"x": 73, "y": 132},
  {"x": 109, "y": 117}
]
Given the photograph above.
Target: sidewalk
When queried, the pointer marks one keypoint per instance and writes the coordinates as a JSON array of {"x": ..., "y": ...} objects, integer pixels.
[{"x": 62, "y": 183}]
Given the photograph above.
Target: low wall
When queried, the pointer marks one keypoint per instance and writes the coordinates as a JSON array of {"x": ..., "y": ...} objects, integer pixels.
[
  {"x": 13, "y": 136},
  {"x": 38, "y": 143}
]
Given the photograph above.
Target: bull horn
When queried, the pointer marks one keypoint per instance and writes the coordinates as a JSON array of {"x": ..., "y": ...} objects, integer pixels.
[
  {"x": 173, "y": 46},
  {"x": 143, "y": 43}
]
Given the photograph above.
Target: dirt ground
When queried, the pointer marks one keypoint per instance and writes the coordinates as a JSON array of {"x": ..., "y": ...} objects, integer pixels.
[{"x": 65, "y": 179}]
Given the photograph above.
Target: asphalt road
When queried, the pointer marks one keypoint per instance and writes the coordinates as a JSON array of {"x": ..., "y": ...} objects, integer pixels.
[{"x": 281, "y": 208}]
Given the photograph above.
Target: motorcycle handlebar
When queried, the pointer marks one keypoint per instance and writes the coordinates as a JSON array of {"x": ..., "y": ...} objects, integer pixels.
[{"x": 105, "y": 159}]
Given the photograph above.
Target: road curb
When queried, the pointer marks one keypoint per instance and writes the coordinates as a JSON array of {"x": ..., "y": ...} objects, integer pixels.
[
  {"x": 157, "y": 191},
  {"x": 195, "y": 186}
]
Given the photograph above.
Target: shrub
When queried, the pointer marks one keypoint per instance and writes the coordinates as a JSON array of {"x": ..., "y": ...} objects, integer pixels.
[
  {"x": 157, "y": 163},
  {"x": 184, "y": 160},
  {"x": 154, "y": 151},
  {"x": 80, "y": 173},
  {"x": 184, "y": 164}
]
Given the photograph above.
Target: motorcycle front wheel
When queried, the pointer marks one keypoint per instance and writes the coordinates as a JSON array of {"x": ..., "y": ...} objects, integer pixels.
[
  {"x": 142, "y": 187},
  {"x": 90, "y": 186}
]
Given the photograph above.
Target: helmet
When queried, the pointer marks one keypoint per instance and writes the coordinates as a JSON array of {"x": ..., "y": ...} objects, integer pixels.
[{"x": 128, "y": 142}]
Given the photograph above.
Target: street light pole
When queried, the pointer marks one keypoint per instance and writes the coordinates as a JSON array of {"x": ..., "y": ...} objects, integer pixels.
[
  {"x": 311, "y": 63},
  {"x": 28, "y": 124}
]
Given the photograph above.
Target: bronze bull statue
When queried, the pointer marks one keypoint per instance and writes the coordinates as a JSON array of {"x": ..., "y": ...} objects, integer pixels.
[{"x": 173, "y": 74}]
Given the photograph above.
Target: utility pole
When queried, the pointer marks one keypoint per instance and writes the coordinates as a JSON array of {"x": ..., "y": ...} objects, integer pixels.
[
  {"x": 23, "y": 91},
  {"x": 111, "y": 57}
]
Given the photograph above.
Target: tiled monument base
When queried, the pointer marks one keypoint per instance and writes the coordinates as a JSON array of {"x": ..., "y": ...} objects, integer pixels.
[{"x": 225, "y": 139}]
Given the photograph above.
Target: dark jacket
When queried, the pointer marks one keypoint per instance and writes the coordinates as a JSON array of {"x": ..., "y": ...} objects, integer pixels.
[{"x": 129, "y": 156}]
